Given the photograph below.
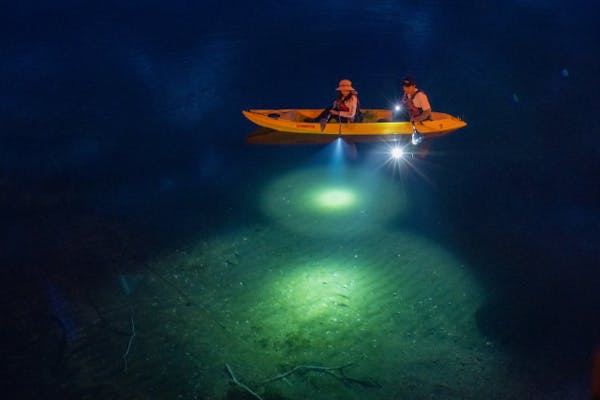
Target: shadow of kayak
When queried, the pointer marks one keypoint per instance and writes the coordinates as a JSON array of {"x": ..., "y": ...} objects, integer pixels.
[
  {"x": 271, "y": 137},
  {"x": 266, "y": 136}
]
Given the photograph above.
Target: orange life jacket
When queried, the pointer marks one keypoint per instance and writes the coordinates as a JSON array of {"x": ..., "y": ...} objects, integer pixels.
[{"x": 410, "y": 106}]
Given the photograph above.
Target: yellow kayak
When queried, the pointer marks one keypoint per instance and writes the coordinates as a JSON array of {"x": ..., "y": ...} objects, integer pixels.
[{"x": 375, "y": 122}]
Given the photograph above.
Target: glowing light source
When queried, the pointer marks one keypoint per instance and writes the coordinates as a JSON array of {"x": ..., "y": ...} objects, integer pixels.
[
  {"x": 397, "y": 107},
  {"x": 397, "y": 152}
]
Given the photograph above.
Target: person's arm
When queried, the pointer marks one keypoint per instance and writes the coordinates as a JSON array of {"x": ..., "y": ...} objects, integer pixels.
[{"x": 423, "y": 116}]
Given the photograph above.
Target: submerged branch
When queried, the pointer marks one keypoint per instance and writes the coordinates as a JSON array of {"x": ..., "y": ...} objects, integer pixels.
[
  {"x": 130, "y": 341},
  {"x": 308, "y": 368},
  {"x": 240, "y": 384},
  {"x": 341, "y": 375}
]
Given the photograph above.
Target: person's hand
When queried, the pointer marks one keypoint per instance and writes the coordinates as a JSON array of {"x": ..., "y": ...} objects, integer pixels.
[{"x": 334, "y": 112}]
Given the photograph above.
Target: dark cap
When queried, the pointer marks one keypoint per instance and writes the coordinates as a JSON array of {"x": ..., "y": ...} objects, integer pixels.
[{"x": 409, "y": 81}]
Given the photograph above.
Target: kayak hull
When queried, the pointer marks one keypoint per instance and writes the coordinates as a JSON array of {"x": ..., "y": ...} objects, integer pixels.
[{"x": 375, "y": 123}]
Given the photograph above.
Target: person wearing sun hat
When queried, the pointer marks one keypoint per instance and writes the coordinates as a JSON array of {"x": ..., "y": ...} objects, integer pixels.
[
  {"x": 346, "y": 108},
  {"x": 346, "y": 104}
]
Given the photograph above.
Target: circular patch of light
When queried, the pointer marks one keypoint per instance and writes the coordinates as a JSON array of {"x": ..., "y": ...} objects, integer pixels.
[
  {"x": 330, "y": 199},
  {"x": 315, "y": 203},
  {"x": 396, "y": 282},
  {"x": 392, "y": 295},
  {"x": 318, "y": 291}
]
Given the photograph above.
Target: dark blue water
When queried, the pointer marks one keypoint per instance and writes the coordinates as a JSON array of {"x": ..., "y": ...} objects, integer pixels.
[{"x": 121, "y": 135}]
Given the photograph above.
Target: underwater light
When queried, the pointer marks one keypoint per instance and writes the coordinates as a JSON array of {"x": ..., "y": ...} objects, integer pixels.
[
  {"x": 335, "y": 198},
  {"x": 397, "y": 152}
]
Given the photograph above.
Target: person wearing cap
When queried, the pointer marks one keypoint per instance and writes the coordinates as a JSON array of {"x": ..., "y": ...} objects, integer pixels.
[
  {"x": 416, "y": 107},
  {"x": 345, "y": 108}
]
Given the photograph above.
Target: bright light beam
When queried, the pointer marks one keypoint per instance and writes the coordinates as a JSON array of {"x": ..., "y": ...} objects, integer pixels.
[
  {"x": 336, "y": 163},
  {"x": 397, "y": 152}
]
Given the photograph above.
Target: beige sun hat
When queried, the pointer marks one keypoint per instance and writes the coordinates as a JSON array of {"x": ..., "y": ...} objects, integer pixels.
[{"x": 345, "y": 84}]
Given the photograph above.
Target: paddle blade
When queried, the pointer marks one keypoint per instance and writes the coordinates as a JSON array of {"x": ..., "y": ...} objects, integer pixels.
[{"x": 323, "y": 123}]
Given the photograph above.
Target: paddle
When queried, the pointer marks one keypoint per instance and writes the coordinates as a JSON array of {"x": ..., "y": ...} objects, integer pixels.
[{"x": 323, "y": 121}]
